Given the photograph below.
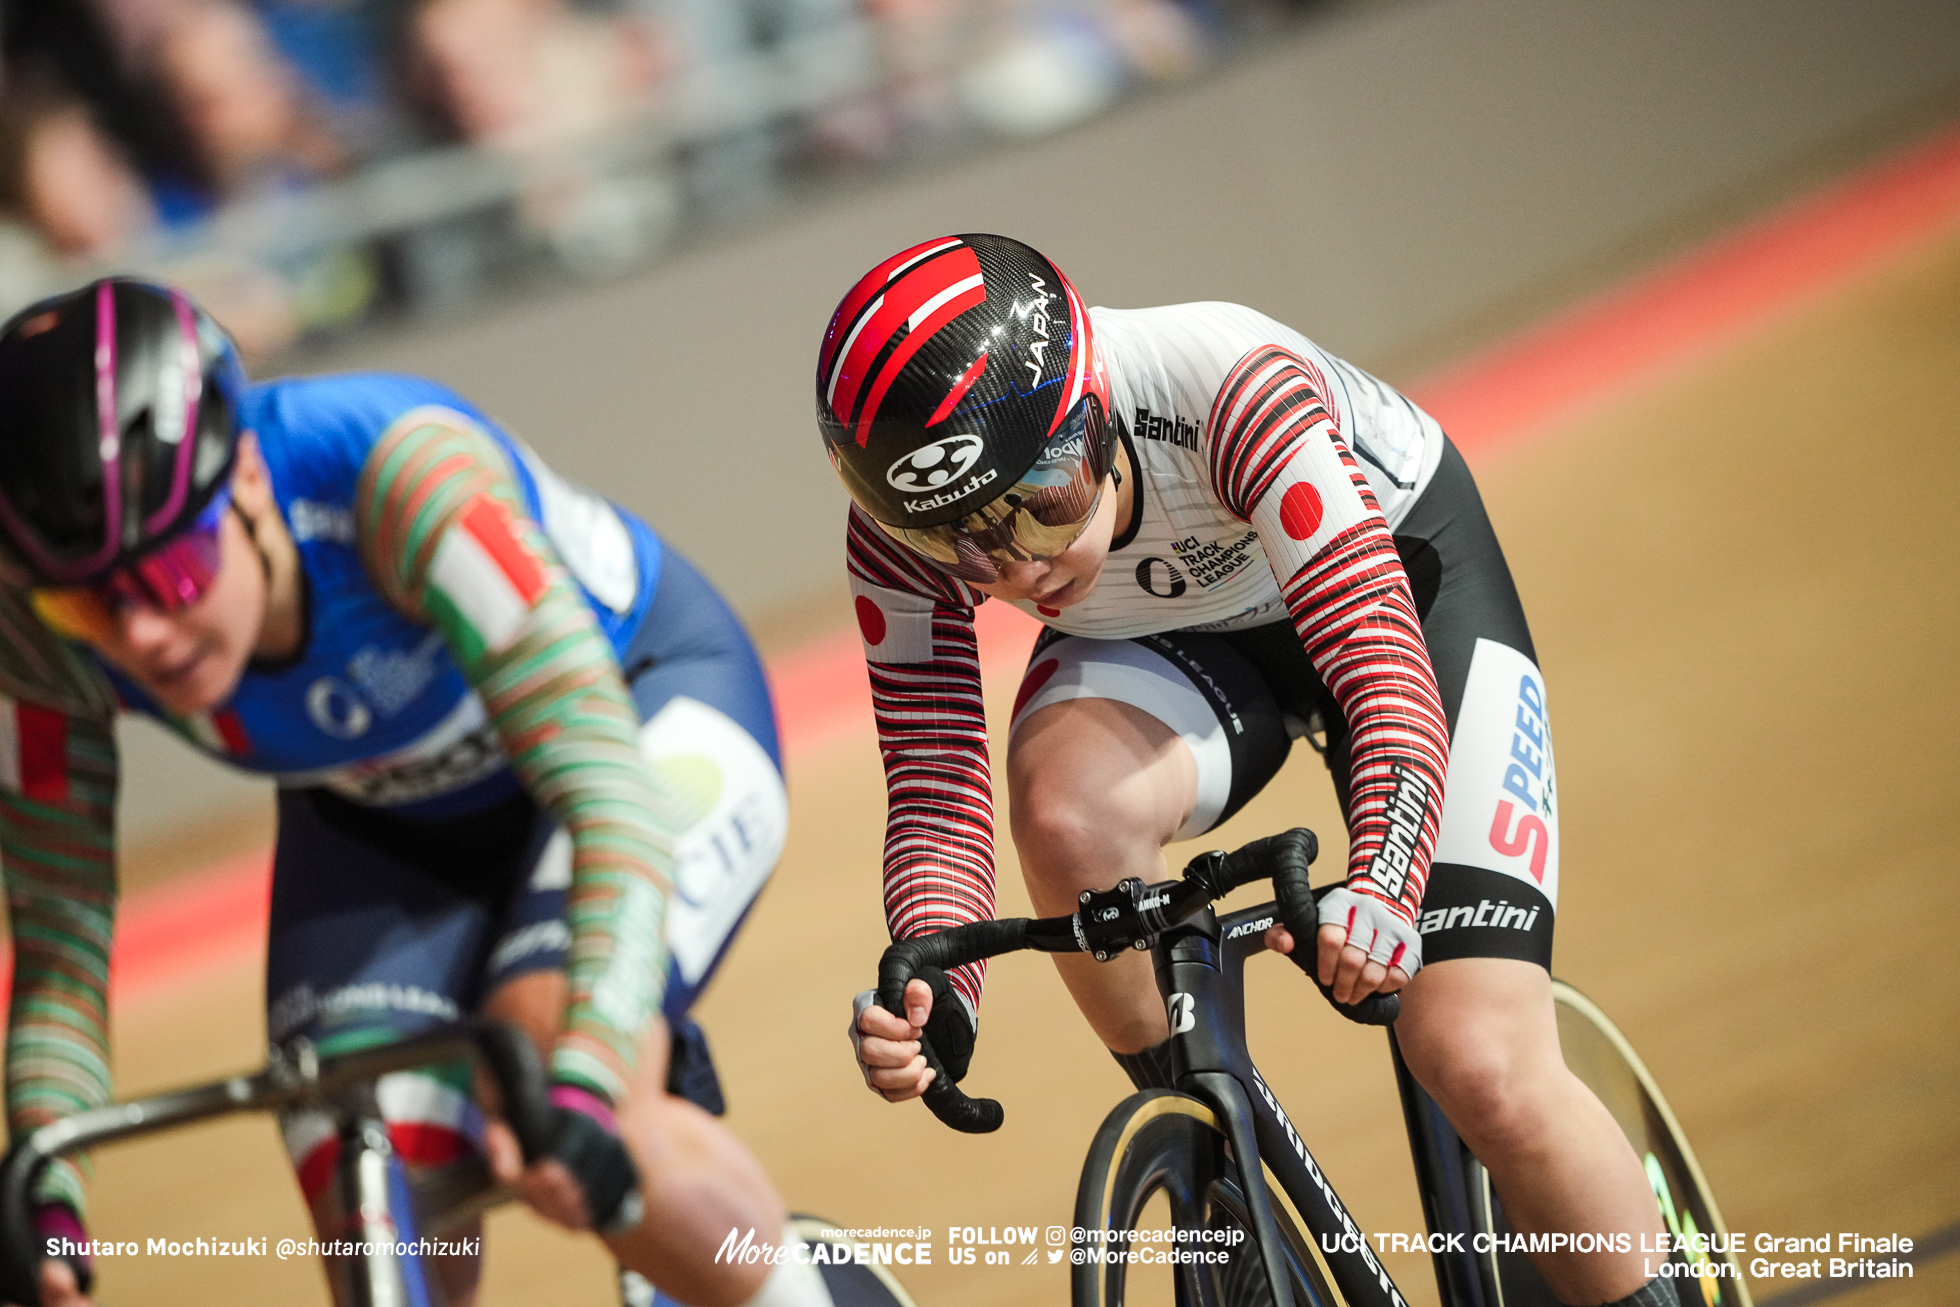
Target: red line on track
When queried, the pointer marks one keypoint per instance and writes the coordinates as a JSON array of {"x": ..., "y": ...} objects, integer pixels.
[
  {"x": 1503, "y": 396},
  {"x": 1678, "y": 312},
  {"x": 193, "y": 925}
]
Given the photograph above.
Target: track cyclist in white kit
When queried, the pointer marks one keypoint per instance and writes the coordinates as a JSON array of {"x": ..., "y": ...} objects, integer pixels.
[{"x": 1234, "y": 539}]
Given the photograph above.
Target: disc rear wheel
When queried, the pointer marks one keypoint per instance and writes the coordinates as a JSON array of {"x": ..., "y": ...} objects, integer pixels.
[{"x": 1601, "y": 1057}]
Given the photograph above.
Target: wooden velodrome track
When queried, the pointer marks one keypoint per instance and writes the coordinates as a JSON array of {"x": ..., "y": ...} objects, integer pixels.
[{"x": 1741, "y": 578}]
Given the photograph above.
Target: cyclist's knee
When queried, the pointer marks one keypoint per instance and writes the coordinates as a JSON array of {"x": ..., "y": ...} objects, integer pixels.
[
  {"x": 1057, "y": 829},
  {"x": 534, "y": 1002},
  {"x": 1480, "y": 1036},
  {"x": 1095, "y": 814},
  {"x": 698, "y": 1183},
  {"x": 1492, "y": 1092}
]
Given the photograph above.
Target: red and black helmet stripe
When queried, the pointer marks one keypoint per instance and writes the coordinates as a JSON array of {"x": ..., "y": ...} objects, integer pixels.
[
  {"x": 958, "y": 392},
  {"x": 1084, "y": 364},
  {"x": 930, "y": 286}
]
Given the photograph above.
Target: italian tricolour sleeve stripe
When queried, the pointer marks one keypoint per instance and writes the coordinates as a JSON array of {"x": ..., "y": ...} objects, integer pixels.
[
  {"x": 486, "y": 574},
  {"x": 33, "y": 751}
]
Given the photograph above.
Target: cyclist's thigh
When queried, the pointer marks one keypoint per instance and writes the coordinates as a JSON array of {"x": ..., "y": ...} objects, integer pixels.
[
  {"x": 1493, "y": 888},
  {"x": 379, "y": 927},
  {"x": 381, "y": 922},
  {"x": 1197, "y": 685},
  {"x": 708, "y": 727}
]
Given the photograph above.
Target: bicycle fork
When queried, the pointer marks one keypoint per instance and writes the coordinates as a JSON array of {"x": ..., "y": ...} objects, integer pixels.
[{"x": 378, "y": 1213}]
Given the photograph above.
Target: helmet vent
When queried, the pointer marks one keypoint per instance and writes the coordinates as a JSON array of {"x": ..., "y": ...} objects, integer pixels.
[{"x": 135, "y": 476}]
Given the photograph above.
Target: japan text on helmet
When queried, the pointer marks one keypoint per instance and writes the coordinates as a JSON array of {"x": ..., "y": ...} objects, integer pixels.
[
  {"x": 962, "y": 400},
  {"x": 118, "y": 425}
]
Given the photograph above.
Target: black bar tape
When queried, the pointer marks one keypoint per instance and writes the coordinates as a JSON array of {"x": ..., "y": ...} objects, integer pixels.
[
  {"x": 519, "y": 1072},
  {"x": 1289, "y": 854},
  {"x": 20, "y": 1252},
  {"x": 947, "y": 949}
]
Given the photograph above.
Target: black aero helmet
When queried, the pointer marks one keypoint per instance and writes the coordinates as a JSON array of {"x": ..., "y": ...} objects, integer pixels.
[
  {"x": 118, "y": 425},
  {"x": 962, "y": 401}
]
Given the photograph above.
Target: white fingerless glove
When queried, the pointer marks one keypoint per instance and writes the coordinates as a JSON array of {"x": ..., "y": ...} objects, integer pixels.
[{"x": 1374, "y": 927}]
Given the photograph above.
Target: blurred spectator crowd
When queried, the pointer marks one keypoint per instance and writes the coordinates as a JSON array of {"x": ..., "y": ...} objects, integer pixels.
[{"x": 307, "y": 166}]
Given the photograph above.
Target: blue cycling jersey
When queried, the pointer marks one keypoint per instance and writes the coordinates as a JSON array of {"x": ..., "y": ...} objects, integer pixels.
[{"x": 374, "y": 707}]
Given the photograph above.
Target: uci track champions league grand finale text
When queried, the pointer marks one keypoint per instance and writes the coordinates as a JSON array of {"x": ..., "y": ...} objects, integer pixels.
[{"x": 1706, "y": 1258}]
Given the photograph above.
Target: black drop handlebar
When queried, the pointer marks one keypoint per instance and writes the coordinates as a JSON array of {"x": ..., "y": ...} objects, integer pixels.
[
  {"x": 1130, "y": 916},
  {"x": 295, "y": 1076}
]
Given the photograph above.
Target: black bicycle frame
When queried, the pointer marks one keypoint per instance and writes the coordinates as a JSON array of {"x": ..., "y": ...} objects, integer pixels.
[{"x": 1201, "y": 974}]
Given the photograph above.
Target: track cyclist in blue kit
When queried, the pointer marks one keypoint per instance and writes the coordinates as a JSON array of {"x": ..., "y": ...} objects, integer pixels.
[
  {"x": 526, "y": 755},
  {"x": 1234, "y": 539}
]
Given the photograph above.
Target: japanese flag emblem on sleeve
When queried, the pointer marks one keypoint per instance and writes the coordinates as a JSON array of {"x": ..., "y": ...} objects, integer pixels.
[
  {"x": 896, "y": 624},
  {"x": 486, "y": 577}
]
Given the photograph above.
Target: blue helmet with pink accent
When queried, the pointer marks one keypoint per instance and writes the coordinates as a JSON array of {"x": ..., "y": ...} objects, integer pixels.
[{"x": 118, "y": 426}]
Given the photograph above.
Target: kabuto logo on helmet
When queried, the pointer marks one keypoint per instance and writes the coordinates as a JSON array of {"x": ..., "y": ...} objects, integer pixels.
[
  {"x": 955, "y": 495},
  {"x": 930, "y": 467}
]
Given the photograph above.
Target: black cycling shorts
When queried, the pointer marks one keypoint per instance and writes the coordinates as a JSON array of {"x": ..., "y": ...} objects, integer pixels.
[{"x": 1240, "y": 698}]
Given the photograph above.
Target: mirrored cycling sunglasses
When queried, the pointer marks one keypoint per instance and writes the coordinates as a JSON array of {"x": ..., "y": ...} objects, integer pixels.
[
  {"x": 1037, "y": 517},
  {"x": 167, "y": 579}
]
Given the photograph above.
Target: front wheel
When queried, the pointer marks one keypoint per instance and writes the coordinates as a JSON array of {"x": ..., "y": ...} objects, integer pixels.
[
  {"x": 1601, "y": 1057},
  {"x": 1161, "y": 1141}
]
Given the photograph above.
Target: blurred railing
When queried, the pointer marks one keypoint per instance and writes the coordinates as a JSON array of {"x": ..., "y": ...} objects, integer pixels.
[{"x": 885, "y": 85}]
